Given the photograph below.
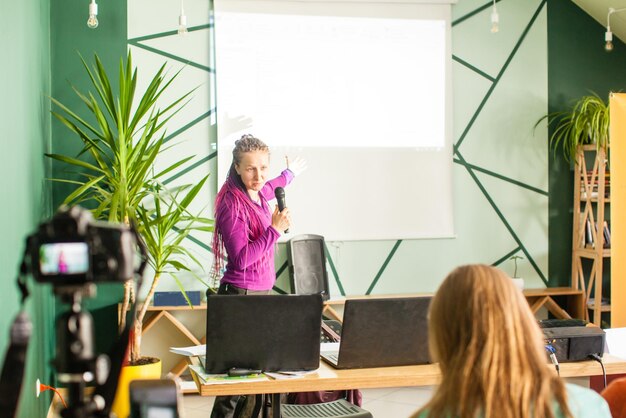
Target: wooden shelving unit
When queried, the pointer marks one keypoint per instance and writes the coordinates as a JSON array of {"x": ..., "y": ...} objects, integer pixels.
[
  {"x": 165, "y": 314},
  {"x": 591, "y": 197}
]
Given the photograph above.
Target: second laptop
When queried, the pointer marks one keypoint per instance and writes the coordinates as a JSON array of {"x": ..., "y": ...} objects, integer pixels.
[{"x": 382, "y": 332}]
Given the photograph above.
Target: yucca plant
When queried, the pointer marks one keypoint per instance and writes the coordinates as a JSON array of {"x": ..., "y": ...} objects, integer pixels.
[
  {"x": 587, "y": 122},
  {"x": 163, "y": 229},
  {"x": 122, "y": 145}
]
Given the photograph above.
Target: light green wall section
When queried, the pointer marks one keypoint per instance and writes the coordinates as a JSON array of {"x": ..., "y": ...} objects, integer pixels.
[
  {"x": 25, "y": 121},
  {"x": 154, "y": 42},
  {"x": 500, "y": 170}
]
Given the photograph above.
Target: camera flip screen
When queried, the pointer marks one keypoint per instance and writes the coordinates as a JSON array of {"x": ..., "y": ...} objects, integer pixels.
[{"x": 63, "y": 258}]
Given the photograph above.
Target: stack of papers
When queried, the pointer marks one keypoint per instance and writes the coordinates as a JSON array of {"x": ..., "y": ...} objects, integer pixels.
[
  {"x": 289, "y": 374},
  {"x": 219, "y": 379},
  {"x": 198, "y": 358}
]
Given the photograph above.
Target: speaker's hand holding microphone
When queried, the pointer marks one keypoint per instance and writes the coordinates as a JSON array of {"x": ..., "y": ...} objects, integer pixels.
[{"x": 281, "y": 218}]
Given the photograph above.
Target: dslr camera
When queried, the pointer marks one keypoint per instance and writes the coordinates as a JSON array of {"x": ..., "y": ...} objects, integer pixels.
[
  {"x": 72, "y": 250},
  {"x": 74, "y": 253}
]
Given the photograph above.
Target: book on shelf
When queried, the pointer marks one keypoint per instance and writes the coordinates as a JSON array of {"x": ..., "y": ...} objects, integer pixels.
[
  {"x": 603, "y": 301},
  {"x": 589, "y": 241},
  {"x": 590, "y": 185},
  {"x": 589, "y": 237},
  {"x": 607, "y": 235}
]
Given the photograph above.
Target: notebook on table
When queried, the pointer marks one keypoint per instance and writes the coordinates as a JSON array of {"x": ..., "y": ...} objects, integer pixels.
[
  {"x": 263, "y": 332},
  {"x": 382, "y": 332}
]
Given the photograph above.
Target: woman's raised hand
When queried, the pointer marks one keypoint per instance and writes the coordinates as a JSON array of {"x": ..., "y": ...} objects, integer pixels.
[{"x": 297, "y": 165}]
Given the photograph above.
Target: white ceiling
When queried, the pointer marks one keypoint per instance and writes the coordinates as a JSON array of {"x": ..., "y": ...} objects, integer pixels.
[{"x": 599, "y": 9}]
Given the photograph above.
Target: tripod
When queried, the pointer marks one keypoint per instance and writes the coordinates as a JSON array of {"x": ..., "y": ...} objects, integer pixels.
[{"x": 76, "y": 362}]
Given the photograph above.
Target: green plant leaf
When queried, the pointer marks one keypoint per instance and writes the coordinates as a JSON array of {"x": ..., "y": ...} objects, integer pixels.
[
  {"x": 122, "y": 137},
  {"x": 587, "y": 121}
]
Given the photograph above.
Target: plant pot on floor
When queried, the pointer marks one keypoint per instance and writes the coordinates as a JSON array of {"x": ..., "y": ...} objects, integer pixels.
[{"x": 121, "y": 404}]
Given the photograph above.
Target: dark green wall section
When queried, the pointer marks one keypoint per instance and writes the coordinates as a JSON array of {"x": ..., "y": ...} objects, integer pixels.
[
  {"x": 25, "y": 134},
  {"x": 70, "y": 37},
  {"x": 577, "y": 64}
]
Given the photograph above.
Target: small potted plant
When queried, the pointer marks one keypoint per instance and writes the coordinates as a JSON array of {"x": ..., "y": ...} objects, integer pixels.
[
  {"x": 586, "y": 122},
  {"x": 519, "y": 282}
]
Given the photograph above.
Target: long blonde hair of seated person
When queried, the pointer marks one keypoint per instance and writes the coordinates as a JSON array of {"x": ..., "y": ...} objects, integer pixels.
[{"x": 490, "y": 351}]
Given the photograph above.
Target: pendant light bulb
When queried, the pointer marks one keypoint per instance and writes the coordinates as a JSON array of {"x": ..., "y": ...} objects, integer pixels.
[
  {"x": 92, "y": 22},
  {"x": 182, "y": 20},
  {"x": 182, "y": 25},
  {"x": 608, "y": 39},
  {"x": 495, "y": 19}
]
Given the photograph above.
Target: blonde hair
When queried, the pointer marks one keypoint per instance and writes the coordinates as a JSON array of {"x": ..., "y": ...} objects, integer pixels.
[{"x": 490, "y": 351}]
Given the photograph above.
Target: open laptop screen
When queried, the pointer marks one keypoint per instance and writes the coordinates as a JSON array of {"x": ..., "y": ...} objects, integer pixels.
[
  {"x": 264, "y": 332},
  {"x": 384, "y": 332}
]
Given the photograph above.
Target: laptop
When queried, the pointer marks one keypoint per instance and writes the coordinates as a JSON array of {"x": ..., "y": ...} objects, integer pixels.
[
  {"x": 382, "y": 332},
  {"x": 263, "y": 332}
]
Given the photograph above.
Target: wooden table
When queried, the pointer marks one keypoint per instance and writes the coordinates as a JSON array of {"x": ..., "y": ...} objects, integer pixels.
[{"x": 327, "y": 378}]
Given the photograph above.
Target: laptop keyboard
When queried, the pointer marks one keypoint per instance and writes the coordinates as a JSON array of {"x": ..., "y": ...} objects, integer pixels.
[{"x": 332, "y": 356}]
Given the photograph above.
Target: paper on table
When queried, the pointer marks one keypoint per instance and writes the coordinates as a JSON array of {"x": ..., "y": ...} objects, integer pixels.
[
  {"x": 329, "y": 347},
  {"x": 194, "y": 350},
  {"x": 616, "y": 342},
  {"x": 187, "y": 385},
  {"x": 289, "y": 374},
  {"x": 219, "y": 379}
]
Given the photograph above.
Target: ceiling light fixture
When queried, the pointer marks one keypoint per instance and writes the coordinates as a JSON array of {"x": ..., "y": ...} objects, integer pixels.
[
  {"x": 182, "y": 20},
  {"x": 495, "y": 18},
  {"x": 608, "y": 36},
  {"x": 92, "y": 22}
]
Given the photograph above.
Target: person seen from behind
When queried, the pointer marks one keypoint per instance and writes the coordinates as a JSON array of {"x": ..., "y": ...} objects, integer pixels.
[{"x": 492, "y": 356}]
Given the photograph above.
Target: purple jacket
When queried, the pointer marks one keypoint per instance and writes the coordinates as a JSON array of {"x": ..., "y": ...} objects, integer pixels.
[{"x": 250, "y": 264}]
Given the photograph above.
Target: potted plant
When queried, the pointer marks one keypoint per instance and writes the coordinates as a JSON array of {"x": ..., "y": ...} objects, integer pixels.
[
  {"x": 519, "y": 282},
  {"x": 163, "y": 227},
  {"x": 119, "y": 180},
  {"x": 587, "y": 122}
]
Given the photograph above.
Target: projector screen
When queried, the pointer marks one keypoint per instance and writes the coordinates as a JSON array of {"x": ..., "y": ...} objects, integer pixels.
[{"x": 362, "y": 92}]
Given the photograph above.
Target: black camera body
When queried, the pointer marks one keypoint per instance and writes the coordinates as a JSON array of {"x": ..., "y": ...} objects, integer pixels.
[
  {"x": 74, "y": 253},
  {"x": 73, "y": 249}
]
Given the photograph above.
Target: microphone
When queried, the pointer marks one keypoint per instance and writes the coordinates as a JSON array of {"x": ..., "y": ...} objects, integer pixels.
[{"x": 279, "y": 192}]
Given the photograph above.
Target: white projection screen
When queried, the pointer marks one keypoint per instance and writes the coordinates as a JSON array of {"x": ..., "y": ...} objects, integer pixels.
[{"x": 362, "y": 91}]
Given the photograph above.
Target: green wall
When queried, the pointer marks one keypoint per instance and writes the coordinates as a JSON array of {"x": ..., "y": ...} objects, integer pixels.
[
  {"x": 577, "y": 64},
  {"x": 25, "y": 121},
  {"x": 70, "y": 37}
]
